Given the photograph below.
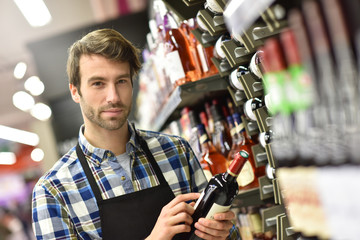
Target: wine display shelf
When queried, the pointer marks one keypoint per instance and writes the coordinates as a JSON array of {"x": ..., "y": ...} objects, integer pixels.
[
  {"x": 257, "y": 29},
  {"x": 188, "y": 94},
  {"x": 257, "y": 21}
]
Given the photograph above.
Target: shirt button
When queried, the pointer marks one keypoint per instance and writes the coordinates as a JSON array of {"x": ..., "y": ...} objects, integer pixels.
[
  {"x": 109, "y": 154},
  {"x": 123, "y": 178}
]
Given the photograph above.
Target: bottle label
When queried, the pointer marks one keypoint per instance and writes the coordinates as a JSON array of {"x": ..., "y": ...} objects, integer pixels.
[
  {"x": 216, "y": 208},
  {"x": 246, "y": 175},
  {"x": 204, "y": 138},
  {"x": 240, "y": 127},
  {"x": 233, "y": 131},
  {"x": 174, "y": 68}
]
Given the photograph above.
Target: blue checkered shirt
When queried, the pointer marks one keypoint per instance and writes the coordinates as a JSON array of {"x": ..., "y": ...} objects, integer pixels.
[{"x": 64, "y": 206}]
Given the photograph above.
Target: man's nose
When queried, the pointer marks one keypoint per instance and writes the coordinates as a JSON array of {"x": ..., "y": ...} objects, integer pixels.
[{"x": 112, "y": 94}]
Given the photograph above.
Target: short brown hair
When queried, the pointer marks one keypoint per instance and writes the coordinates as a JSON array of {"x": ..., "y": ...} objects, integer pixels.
[{"x": 107, "y": 43}]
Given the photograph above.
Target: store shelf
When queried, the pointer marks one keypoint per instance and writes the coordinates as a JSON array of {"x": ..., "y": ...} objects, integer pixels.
[
  {"x": 250, "y": 197},
  {"x": 190, "y": 94},
  {"x": 184, "y": 9}
]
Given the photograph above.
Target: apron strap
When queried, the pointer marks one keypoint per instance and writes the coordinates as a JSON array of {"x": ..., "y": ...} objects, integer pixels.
[
  {"x": 91, "y": 178},
  {"x": 151, "y": 158},
  {"x": 88, "y": 173}
]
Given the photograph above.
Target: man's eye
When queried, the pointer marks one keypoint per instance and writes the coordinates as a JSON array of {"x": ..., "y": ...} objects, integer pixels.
[
  {"x": 122, "y": 81},
  {"x": 97, "y": 83}
]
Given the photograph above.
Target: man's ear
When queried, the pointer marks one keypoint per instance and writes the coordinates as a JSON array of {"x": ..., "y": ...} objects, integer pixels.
[{"x": 74, "y": 93}]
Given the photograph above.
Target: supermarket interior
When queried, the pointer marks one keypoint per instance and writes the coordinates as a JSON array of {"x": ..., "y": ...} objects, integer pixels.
[{"x": 275, "y": 78}]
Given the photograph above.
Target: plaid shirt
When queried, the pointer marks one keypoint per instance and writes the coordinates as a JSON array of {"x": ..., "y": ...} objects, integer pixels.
[{"x": 64, "y": 206}]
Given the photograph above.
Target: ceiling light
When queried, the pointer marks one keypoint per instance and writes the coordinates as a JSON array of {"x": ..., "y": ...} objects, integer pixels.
[
  {"x": 35, "y": 12},
  {"x": 37, "y": 155},
  {"x": 20, "y": 70},
  {"x": 20, "y": 136},
  {"x": 7, "y": 158},
  {"x": 41, "y": 111},
  {"x": 23, "y": 100},
  {"x": 34, "y": 85}
]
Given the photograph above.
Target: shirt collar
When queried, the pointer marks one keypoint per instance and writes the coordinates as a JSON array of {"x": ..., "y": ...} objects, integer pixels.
[{"x": 97, "y": 155}]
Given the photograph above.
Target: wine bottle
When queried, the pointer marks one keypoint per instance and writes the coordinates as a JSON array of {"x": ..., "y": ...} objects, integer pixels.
[
  {"x": 219, "y": 193},
  {"x": 235, "y": 75},
  {"x": 222, "y": 137},
  {"x": 255, "y": 103},
  {"x": 265, "y": 138},
  {"x": 186, "y": 27},
  {"x": 179, "y": 62},
  {"x": 212, "y": 161},
  {"x": 218, "y": 52},
  {"x": 214, "y": 7},
  {"x": 248, "y": 179}
]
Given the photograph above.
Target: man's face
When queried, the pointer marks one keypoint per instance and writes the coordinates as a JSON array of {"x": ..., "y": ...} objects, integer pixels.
[{"x": 106, "y": 92}]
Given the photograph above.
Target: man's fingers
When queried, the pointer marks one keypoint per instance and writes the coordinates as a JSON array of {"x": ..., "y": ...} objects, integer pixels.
[
  {"x": 214, "y": 224},
  {"x": 229, "y": 215},
  {"x": 183, "y": 198},
  {"x": 181, "y": 218}
]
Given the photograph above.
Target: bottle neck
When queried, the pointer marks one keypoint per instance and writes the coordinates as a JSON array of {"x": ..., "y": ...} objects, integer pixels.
[
  {"x": 229, "y": 177},
  {"x": 236, "y": 165}
]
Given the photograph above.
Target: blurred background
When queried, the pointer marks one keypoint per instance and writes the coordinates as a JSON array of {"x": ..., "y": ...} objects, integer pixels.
[{"x": 38, "y": 120}]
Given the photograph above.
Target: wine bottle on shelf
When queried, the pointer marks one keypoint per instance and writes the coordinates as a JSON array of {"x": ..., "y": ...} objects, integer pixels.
[
  {"x": 278, "y": 89},
  {"x": 179, "y": 63},
  {"x": 255, "y": 103},
  {"x": 204, "y": 53},
  {"x": 211, "y": 160},
  {"x": 219, "y": 55},
  {"x": 194, "y": 139},
  {"x": 193, "y": 43},
  {"x": 235, "y": 75},
  {"x": 265, "y": 138},
  {"x": 157, "y": 31},
  {"x": 248, "y": 179},
  {"x": 329, "y": 114},
  {"x": 213, "y": 6},
  {"x": 236, "y": 138},
  {"x": 185, "y": 123},
  {"x": 218, "y": 52},
  {"x": 205, "y": 120},
  {"x": 210, "y": 120},
  {"x": 255, "y": 65},
  {"x": 276, "y": 79},
  {"x": 219, "y": 193},
  {"x": 222, "y": 137},
  {"x": 347, "y": 76},
  {"x": 303, "y": 83}
]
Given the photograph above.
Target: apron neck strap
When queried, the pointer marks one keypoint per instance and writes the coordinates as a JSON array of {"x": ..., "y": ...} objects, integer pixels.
[
  {"x": 91, "y": 178},
  {"x": 88, "y": 173},
  {"x": 151, "y": 158}
]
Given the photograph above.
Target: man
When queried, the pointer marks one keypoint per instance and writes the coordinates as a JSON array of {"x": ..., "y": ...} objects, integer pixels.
[{"x": 118, "y": 182}]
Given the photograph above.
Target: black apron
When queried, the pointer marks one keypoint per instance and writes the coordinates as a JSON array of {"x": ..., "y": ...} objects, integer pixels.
[{"x": 131, "y": 216}]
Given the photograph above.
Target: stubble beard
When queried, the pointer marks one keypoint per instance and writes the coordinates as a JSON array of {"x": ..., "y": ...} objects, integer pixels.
[{"x": 111, "y": 124}]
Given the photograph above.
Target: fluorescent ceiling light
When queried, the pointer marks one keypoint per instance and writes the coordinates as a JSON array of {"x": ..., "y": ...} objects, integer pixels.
[
  {"x": 41, "y": 111},
  {"x": 7, "y": 158},
  {"x": 20, "y": 136},
  {"x": 23, "y": 100},
  {"x": 20, "y": 70},
  {"x": 37, "y": 155},
  {"x": 35, "y": 12},
  {"x": 34, "y": 85}
]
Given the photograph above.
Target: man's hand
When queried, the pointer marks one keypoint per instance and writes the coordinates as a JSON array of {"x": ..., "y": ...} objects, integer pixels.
[
  {"x": 215, "y": 229},
  {"x": 175, "y": 217}
]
